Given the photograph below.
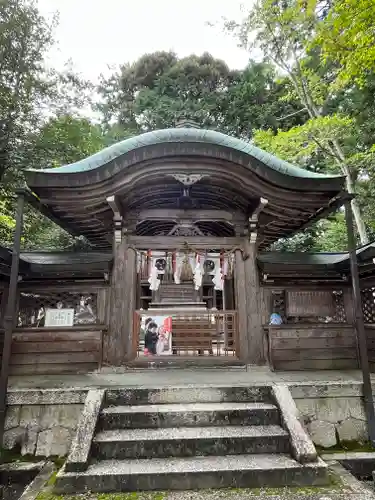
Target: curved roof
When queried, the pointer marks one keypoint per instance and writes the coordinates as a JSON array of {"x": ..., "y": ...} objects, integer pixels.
[
  {"x": 234, "y": 175},
  {"x": 184, "y": 135}
]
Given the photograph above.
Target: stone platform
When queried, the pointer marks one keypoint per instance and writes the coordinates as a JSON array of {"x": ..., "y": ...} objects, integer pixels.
[
  {"x": 189, "y": 438},
  {"x": 43, "y": 411}
]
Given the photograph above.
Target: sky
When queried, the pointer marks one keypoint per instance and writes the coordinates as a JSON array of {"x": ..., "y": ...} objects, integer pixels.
[{"x": 96, "y": 34}]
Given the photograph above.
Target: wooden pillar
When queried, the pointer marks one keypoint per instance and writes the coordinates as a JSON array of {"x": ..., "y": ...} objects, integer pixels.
[
  {"x": 3, "y": 304},
  {"x": 359, "y": 325},
  {"x": 131, "y": 287},
  {"x": 115, "y": 342},
  {"x": 256, "y": 355},
  {"x": 10, "y": 312},
  {"x": 241, "y": 306}
]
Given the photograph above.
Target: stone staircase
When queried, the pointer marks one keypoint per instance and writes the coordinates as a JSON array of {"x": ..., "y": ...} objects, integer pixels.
[
  {"x": 172, "y": 292},
  {"x": 172, "y": 295},
  {"x": 181, "y": 439}
]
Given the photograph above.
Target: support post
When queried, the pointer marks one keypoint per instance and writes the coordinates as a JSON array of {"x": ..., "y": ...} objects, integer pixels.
[
  {"x": 241, "y": 306},
  {"x": 360, "y": 326},
  {"x": 10, "y": 312},
  {"x": 254, "y": 317},
  {"x": 115, "y": 343}
]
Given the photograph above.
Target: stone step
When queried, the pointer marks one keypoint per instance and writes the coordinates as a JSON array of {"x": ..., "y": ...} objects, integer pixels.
[
  {"x": 189, "y": 441},
  {"x": 240, "y": 471},
  {"x": 186, "y": 394},
  {"x": 188, "y": 415}
]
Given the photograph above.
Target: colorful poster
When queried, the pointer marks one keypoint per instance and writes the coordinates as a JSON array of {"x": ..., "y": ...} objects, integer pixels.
[{"x": 157, "y": 335}]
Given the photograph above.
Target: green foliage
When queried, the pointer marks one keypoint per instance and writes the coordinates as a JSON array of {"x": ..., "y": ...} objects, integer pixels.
[
  {"x": 311, "y": 143},
  {"x": 346, "y": 36},
  {"x": 318, "y": 111},
  {"x": 159, "y": 89},
  {"x": 25, "y": 36}
]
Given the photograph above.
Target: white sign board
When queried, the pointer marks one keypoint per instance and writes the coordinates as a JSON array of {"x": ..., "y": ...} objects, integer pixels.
[{"x": 59, "y": 317}]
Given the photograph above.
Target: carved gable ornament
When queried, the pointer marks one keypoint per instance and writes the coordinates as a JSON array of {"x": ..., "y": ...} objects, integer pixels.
[{"x": 188, "y": 179}]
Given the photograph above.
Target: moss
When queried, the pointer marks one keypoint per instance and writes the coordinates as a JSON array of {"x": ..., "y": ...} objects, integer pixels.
[
  {"x": 346, "y": 446},
  {"x": 11, "y": 456}
]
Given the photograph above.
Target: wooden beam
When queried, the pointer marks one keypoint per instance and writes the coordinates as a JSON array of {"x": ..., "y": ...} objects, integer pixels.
[
  {"x": 178, "y": 215},
  {"x": 254, "y": 219},
  {"x": 179, "y": 242},
  {"x": 113, "y": 202}
]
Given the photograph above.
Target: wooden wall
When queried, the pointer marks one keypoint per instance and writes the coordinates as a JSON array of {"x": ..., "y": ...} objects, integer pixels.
[
  {"x": 3, "y": 304},
  {"x": 370, "y": 333},
  {"x": 77, "y": 349},
  {"x": 312, "y": 346},
  {"x": 53, "y": 350}
]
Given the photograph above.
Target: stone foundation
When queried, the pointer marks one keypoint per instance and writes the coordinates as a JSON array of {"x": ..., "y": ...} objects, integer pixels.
[
  {"x": 42, "y": 423},
  {"x": 332, "y": 413}
]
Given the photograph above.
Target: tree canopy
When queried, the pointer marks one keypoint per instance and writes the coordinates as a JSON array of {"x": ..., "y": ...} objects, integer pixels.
[{"x": 310, "y": 100}]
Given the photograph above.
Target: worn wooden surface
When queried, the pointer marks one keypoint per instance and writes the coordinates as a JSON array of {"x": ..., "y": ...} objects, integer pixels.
[
  {"x": 114, "y": 344},
  {"x": 131, "y": 283},
  {"x": 370, "y": 334},
  {"x": 312, "y": 346},
  {"x": 256, "y": 354},
  {"x": 304, "y": 303},
  {"x": 240, "y": 296},
  {"x": 47, "y": 351}
]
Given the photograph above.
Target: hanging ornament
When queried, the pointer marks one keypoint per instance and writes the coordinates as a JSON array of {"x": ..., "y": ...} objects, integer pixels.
[
  {"x": 160, "y": 264},
  {"x": 198, "y": 273},
  {"x": 186, "y": 271},
  {"x": 209, "y": 266}
]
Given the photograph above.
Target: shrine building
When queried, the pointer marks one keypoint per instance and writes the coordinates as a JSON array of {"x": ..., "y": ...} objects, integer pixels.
[{"x": 180, "y": 223}]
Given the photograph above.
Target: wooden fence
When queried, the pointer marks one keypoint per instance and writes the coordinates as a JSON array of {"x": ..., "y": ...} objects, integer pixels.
[{"x": 312, "y": 346}]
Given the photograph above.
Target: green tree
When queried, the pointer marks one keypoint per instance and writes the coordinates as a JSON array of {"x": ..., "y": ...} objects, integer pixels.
[
  {"x": 159, "y": 89},
  {"x": 346, "y": 36},
  {"x": 284, "y": 30},
  {"x": 25, "y": 36}
]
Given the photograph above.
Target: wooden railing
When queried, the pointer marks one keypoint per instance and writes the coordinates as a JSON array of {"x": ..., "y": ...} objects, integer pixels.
[{"x": 193, "y": 334}]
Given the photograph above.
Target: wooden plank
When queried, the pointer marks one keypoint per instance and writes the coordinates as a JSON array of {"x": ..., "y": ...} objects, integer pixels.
[
  {"x": 317, "y": 364},
  {"x": 304, "y": 303},
  {"x": 313, "y": 331},
  {"x": 305, "y": 354},
  {"x": 60, "y": 347},
  {"x": 195, "y": 215},
  {"x": 54, "y": 358},
  {"x": 87, "y": 286},
  {"x": 50, "y": 369},
  {"x": 176, "y": 242},
  {"x": 58, "y": 336},
  {"x": 314, "y": 343}
]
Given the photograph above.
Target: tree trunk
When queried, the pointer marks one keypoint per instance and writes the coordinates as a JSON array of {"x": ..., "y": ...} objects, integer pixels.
[{"x": 336, "y": 152}]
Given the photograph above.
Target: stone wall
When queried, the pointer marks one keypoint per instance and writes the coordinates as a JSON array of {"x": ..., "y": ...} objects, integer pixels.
[
  {"x": 42, "y": 423},
  {"x": 332, "y": 413}
]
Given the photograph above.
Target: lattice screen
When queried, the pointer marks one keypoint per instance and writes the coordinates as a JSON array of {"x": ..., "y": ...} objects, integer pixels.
[
  {"x": 368, "y": 304},
  {"x": 33, "y": 306},
  {"x": 316, "y": 306},
  {"x": 278, "y": 303},
  {"x": 340, "y": 313}
]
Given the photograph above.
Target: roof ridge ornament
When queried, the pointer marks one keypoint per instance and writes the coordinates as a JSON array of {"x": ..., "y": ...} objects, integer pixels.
[
  {"x": 186, "y": 123},
  {"x": 188, "y": 179}
]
